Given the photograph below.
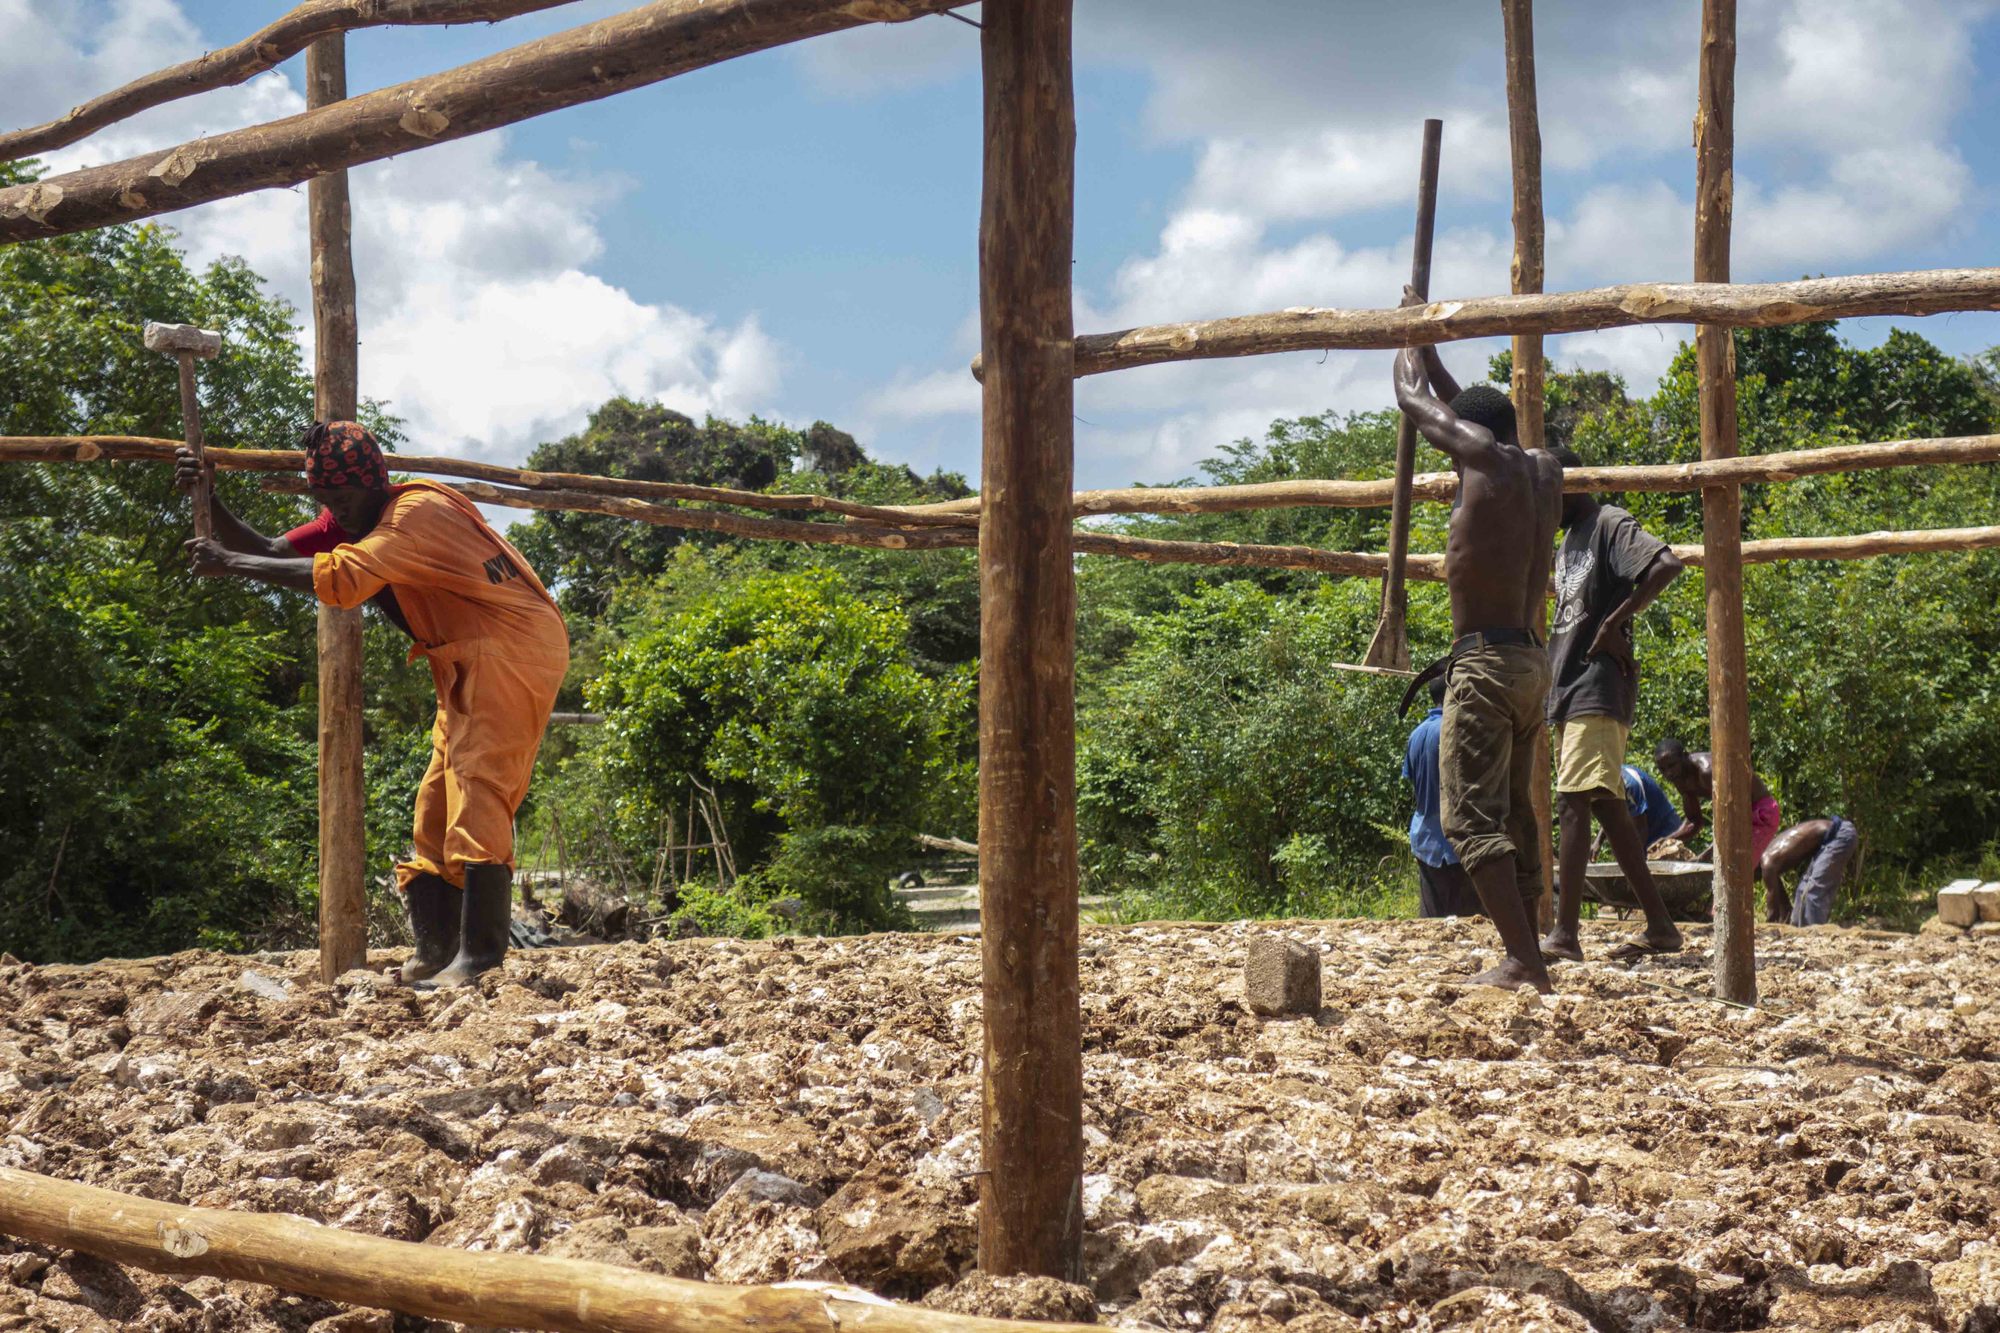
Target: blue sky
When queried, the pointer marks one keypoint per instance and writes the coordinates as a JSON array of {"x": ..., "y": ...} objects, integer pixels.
[{"x": 794, "y": 234}]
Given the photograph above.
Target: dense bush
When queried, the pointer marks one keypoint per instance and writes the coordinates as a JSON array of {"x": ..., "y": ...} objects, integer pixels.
[{"x": 796, "y": 703}]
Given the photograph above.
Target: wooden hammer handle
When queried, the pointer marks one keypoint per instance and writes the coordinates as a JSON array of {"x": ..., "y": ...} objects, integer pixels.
[{"x": 191, "y": 427}]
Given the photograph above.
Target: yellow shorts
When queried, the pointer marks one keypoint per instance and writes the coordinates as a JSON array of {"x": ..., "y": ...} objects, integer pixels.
[{"x": 1590, "y": 752}]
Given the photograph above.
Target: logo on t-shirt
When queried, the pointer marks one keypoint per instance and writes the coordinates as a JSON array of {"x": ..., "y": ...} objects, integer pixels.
[
  {"x": 1572, "y": 572},
  {"x": 499, "y": 569}
]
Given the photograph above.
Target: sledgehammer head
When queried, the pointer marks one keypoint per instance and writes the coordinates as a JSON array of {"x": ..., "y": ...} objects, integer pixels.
[{"x": 175, "y": 338}]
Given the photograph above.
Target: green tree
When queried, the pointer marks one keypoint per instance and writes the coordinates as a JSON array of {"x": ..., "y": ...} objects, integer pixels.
[
  {"x": 796, "y": 702},
  {"x": 156, "y": 731}
]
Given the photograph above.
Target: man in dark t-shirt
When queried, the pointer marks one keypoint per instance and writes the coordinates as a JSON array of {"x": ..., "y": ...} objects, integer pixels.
[{"x": 1608, "y": 569}]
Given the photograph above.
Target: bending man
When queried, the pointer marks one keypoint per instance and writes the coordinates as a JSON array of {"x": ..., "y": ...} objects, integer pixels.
[
  {"x": 497, "y": 651},
  {"x": 1824, "y": 847},
  {"x": 1608, "y": 571},
  {"x": 1497, "y": 569},
  {"x": 1693, "y": 776}
]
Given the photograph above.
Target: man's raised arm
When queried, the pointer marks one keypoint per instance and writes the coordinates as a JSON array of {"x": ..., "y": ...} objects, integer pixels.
[{"x": 1464, "y": 442}]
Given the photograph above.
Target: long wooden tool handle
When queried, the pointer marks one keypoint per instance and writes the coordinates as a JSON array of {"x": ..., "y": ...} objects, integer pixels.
[
  {"x": 191, "y": 430},
  {"x": 1394, "y": 598}
]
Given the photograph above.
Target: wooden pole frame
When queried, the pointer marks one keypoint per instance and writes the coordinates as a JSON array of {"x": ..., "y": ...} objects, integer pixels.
[
  {"x": 1722, "y": 520},
  {"x": 1031, "y": 1119},
  {"x": 343, "y": 841}
]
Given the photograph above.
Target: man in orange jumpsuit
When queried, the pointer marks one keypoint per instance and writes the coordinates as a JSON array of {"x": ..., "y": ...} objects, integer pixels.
[{"x": 497, "y": 649}]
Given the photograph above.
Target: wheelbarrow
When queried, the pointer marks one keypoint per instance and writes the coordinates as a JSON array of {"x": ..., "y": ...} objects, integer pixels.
[{"x": 1687, "y": 887}]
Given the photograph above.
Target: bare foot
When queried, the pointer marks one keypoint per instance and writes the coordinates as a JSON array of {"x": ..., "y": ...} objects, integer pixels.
[
  {"x": 1561, "y": 944},
  {"x": 1510, "y": 975}
]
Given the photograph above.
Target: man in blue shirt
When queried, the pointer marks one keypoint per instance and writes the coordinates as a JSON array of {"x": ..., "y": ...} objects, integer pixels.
[
  {"x": 1443, "y": 887},
  {"x": 1651, "y": 809}
]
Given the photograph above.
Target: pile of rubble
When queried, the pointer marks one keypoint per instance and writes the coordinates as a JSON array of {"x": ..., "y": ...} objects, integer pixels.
[{"x": 1626, "y": 1155}]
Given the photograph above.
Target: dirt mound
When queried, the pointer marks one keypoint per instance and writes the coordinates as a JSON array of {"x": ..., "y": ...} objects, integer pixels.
[{"x": 1619, "y": 1157}]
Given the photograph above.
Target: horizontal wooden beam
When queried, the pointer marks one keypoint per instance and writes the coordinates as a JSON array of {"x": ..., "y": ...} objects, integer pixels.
[
  {"x": 264, "y": 49},
  {"x": 964, "y": 532},
  {"x": 1306, "y": 559},
  {"x": 644, "y": 45},
  {"x": 1306, "y": 493},
  {"x": 1441, "y": 486},
  {"x": 846, "y": 533},
  {"x": 153, "y": 449},
  {"x": 1736, "y": 305},
  {"x": 437, "y": 1282}
]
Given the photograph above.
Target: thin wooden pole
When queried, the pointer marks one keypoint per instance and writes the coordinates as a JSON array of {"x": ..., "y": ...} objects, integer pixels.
[
  {"x": 1031, "y": 1123},
  {"x": 343, "y": 848},
  {"x": 1524, "y": 137},
  {"x": 1722, "y": 519},
  {"x": 440, "y": 1282},
  {"x": 1390, "y": 648}
]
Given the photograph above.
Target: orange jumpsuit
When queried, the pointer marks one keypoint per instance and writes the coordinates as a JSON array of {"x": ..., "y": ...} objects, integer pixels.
[{"x": 497, "y": 649}]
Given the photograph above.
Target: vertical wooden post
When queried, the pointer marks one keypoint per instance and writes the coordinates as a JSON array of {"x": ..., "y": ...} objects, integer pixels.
[
  {"x": 1031, "y": 1213},
  {"x": 343, "y": 891},
  {"x": 1524, "y": 135},
  {"x": 1722, "y": 518}
]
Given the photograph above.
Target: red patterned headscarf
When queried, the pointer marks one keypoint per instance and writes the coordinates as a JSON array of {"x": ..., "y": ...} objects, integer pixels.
[{"x": 343, "y": 453}]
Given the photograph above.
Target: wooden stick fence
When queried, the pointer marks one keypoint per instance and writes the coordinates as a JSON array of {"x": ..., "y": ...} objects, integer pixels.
[
  {"x": 1030, "y": 1219},
  {"x": 438, "y": 1282}
]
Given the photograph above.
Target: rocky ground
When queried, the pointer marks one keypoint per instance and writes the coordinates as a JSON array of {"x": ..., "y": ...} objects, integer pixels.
[{"x": 1419, "y": 1156}]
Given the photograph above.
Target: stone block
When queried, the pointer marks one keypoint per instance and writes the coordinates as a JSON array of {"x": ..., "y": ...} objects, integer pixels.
[
  {"x": 1987, "y": 899},
  {"x": 1985, "y": 930},
  {"x": 1281, "y": 976},
  {"x": 1956, "y": 906}
]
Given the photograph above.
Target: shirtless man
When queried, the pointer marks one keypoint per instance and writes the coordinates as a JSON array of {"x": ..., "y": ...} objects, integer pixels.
[
  {"x": 1823, "y": 847},
  {"x": 1496, "y": 564},
  {"x": 1693, "y": 776}
]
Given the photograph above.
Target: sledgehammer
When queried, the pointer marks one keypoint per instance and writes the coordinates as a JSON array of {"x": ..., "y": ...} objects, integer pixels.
[{"x": 187, "y": 342}]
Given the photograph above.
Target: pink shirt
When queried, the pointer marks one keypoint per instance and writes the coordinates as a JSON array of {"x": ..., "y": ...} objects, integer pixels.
[{"x": 320, "y": 535}]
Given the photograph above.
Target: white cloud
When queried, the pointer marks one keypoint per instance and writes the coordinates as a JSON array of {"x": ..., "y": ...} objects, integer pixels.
[
  {"x": 480, "y": 323},
  {"x": 883, "y": 57},
  {"x": 911, "y": 398},
  {"x": 1327, "y": 171}
]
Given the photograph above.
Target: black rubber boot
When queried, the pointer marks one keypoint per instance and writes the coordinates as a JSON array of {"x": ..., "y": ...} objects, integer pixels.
[
  {"x": 482, "y": 941},
  {"x": 435, "y": 906}
]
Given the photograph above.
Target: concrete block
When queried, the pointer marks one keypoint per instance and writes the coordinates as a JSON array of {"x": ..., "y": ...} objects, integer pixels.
[
  {"x": 1956, "y": 906},
  {"x": 1281, "y": 976},
  {"x": 1987, "y": 899}
]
